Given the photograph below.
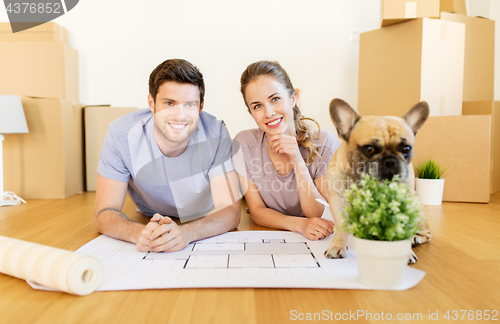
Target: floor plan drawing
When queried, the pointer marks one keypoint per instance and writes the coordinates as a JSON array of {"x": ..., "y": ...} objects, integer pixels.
[
  {"x": 235, "y": 259},
  {"x": 259, "y": 259},
  {"x": 248, "y": 252}
]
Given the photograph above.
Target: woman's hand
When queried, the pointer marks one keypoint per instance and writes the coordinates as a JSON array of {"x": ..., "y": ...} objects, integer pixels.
[
  {"x": 316, "y": 228},
  {"x": 286, "y": 145}
]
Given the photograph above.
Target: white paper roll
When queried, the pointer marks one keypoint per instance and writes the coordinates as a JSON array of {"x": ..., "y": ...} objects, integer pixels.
[{"x": 48, "y": 266}]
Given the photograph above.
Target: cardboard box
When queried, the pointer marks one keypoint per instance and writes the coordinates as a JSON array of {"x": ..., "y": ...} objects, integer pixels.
[
  {"x": 448, "y": 141},
  {"x": 489, "y": 108},
  {"x": 396, "y": 11},
  {"x": 46, "y": 163},
  {"x": 479, "y": 57},
  {"x": 97, "y": 120},
  {"x": 48, "y": 32},
  {"x": 403, "y": 64},
  {"x": 39, "y": 69},
  {"x": 457, "y": 6}
]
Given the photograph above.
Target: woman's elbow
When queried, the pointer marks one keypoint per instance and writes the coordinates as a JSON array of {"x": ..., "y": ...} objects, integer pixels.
[{"x": 314, "y": 213}]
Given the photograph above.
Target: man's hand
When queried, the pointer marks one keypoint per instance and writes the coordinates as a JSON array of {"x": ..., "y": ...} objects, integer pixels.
[
  {"x": 144, "y": 240},
  {"x": 164, "y": 235}
]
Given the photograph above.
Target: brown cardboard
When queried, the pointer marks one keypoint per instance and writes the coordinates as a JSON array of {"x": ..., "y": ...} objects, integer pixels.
[
  {"x": 402, "y": 64},
  {"x": 97, "y": 120},
  {"x": 39, "y": 69},
  {"x": 48, "y": 32},
  {"x": 479, "y": 56},
  {"x": 463, "y": 145},
  {"x": 457, "y": 6},
  {"x": 46, "y": 163},
  {"x": 396, "y": 11},
  {"x": 489, "y": 108}
]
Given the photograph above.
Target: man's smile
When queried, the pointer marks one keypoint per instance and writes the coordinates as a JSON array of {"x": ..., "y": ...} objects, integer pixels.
[{"x": 178, "y": 126}]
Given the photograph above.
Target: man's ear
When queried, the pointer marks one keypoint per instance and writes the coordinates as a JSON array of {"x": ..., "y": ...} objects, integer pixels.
[
  {"x": 344, "y": 117},
  {"x": 417, "y": 116},
  {"x": 151, "y": 103},
  {"x": 201, "y": 105}
]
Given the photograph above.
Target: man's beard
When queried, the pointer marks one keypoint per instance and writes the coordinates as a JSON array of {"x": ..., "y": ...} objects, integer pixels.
[{"x": 175, "y": 136}]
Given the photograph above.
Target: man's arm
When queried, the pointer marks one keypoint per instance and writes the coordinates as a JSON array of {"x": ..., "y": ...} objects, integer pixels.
[
  {"x": 111, "y": 221},
  {"x": 226, "y": 216}
]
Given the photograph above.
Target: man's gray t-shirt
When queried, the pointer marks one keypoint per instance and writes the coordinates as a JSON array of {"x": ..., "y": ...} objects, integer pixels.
[
  {"x": 179, "y": 186},
  {"x": 251, "y": 160}
]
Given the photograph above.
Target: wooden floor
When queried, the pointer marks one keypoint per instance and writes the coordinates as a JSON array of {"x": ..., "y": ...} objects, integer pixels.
[{"x": 462, "y": 263}]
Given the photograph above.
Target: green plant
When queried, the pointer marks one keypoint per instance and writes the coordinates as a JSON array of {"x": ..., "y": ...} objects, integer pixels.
[
  {"x": 429, "y": 169},
  {"x": 382, "y": 211}
]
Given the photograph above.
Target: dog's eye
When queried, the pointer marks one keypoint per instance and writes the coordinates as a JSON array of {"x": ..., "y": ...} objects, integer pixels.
[
  {"x": 369, "y": 150},
  {"x": 406, "y": 150}
]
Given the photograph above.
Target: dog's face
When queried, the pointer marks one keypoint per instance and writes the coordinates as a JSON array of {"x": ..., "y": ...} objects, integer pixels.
[{"x": 381, "y": 146}]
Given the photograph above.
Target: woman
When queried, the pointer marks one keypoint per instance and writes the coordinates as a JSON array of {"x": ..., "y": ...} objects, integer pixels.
[{"x": 282, "y": 164}]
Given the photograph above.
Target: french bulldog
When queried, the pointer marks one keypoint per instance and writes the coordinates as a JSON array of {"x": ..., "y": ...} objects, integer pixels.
[{"x": 381, "y": 146}]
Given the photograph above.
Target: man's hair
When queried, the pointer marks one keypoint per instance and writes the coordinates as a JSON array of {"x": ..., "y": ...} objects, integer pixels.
[{"x": 176, "y": 70}]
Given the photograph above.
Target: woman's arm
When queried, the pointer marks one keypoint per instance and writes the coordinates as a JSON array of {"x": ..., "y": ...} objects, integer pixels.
[
  {"x": 312, "y": 228},
  {"x": 308, "y": 190},
  {"x": 306, "y": 187}
]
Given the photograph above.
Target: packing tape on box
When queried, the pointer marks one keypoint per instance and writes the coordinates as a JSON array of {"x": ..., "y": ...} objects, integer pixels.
[
  {"x": 410, "y": 9},
  {"x": 48, "y": 266},
  {"x": 444, "y": 30}
]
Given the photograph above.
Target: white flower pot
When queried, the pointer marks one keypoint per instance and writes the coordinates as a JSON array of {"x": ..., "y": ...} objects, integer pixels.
[
  {"x": 381, "y": 264},
  {"x": 430, "y": 191}
]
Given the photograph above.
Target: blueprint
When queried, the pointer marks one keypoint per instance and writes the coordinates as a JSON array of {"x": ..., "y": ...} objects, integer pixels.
[
  {"x": 235, "y": 259},
  {"x": 273, "y": 259}
]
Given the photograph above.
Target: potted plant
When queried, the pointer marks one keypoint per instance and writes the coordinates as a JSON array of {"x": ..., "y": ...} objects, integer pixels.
[
  {"x": 429, "y": 185},
  {"x": 383, "y": 218}
]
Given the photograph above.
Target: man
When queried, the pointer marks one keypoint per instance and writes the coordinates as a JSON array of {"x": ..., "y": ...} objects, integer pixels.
[{"x": 175, "y": 160}]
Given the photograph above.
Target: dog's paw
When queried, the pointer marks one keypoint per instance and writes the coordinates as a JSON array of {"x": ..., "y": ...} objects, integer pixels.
[
  {"x": 421, "y": 238},
  {"x": 336, "y": 252},
  {"x": 413, "y": 257}
]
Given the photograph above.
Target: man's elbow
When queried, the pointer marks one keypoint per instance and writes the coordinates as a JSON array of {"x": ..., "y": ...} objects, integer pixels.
[
  {"x": 98, "y": 225},
  {"x": 236, "y": 214}
]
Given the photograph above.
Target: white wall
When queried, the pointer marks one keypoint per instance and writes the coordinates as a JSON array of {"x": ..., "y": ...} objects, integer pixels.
[
  {"x": 494, "y": 9},
  {"x": 121, "y": 41}
]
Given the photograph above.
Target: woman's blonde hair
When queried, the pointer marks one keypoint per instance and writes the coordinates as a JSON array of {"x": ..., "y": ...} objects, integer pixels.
[{"x": 303, "y": 125}]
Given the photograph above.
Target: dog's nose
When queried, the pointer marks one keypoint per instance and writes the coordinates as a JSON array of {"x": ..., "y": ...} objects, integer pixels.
[{"x": 390, "y": 163}]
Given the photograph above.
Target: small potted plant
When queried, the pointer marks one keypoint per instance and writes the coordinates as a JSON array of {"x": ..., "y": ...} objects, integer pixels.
[
  {"x": 383, "y": 218},
  {"x": 429, "y": 184}
]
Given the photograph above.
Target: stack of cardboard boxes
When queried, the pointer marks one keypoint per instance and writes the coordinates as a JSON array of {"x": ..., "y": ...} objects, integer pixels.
[
  {"x": 97, "y": 120},
  {"x": 430, "y": 50},
  {"x": 39, "y": 65}
]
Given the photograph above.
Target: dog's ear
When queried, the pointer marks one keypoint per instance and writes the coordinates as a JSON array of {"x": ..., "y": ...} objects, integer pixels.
[
  {"x": 417, "y": 116},
  {"x": 344, "y": 117}
]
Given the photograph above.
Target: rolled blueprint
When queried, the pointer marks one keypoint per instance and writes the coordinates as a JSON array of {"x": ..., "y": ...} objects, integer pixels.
[{"x": 48, "y": 266}]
